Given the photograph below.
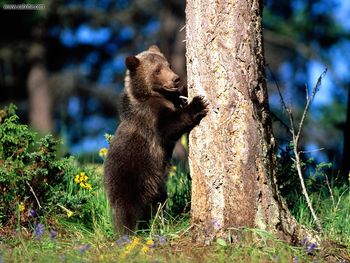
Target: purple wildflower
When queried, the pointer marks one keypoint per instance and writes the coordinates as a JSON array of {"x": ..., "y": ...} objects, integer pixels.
[
  {"x": 160, "y": 240},
  {"x": 33, "y": 213},
  {"x": 39, "y": 231},
  {"x": 120, "y": 242},
  {"x": 295, "y": 259},
  {"x": 126, "y": 239},
  {"x": 1, "y": 258},
  {"x": 84, "y": 248},
  {"x": 311, "y": 247},
  {"x": 53, "y": 234},
  {"x": 123, "y": 240}
]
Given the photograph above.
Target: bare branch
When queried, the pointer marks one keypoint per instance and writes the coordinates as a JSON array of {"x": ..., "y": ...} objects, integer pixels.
[
  {"x": 308, "y": 102},
  {"x": 330, "y": 191},
  {"x": 316, "y": 150},
  {"x": 296, "y": 137},
  {"x": 36, "y": 198},
  {"x": 303, "y": 187},
  {"x": 283, "y": 103}
]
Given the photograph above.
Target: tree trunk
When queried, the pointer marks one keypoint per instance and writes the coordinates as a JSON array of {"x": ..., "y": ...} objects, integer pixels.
[
  {"x": 40, "y": 116},
  {"x": 232, "y": 150}
]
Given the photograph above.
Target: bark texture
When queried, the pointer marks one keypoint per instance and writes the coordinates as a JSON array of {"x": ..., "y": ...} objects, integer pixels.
[{"x": 232, "y": 150}]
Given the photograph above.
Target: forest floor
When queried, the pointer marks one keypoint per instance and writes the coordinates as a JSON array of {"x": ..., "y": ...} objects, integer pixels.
[
  {"x": 74, "y": 244},
  {"x": 87, "y": 235}
]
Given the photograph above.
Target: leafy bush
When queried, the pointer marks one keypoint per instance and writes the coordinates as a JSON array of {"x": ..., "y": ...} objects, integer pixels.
[{"x": 33, "y": 181}]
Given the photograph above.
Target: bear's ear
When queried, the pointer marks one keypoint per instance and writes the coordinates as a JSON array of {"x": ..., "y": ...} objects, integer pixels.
[
  {"x": 154, "y": 48},
  {"x": 132, "y": 62}
]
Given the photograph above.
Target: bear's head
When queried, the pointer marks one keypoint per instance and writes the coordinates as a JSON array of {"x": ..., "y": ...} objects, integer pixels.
[{"x": 149, "y": 73}]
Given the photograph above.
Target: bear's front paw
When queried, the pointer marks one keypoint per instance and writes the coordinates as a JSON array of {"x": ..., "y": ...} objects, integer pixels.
[{"x": 199, "y": 108}]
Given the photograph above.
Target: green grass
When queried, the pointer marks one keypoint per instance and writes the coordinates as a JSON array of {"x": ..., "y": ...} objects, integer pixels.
[
  {"x": 67, "y": 246},
  {"x": 90, "y": 238}
]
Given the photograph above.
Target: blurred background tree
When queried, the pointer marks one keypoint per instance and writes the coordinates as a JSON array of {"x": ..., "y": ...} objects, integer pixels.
[{"x": 64, "y": 66}]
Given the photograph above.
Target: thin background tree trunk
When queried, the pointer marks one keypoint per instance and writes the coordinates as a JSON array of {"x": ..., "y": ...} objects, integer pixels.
[
  {"x": 40, "y": 109},
  {"x": 232, "y": 150}
]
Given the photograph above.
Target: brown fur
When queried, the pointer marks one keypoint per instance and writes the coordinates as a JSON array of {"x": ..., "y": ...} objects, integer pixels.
[{"x": 138, "y": 160}]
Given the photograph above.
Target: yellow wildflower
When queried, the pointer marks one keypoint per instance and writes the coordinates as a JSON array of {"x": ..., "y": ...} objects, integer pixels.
[
  {"x": 69, "y": 213},
  {"x": 150, "y": 242},
  {"x": 21, "y": 207},
  {"x": 132, "y": 245},
  {"x": 103, "y": 152},
  {"x": 144, "y": 249},
  {"x": 76, "y": 179},
  {"x": 82, "y": 180},
  {"x": 135, "y": 241}
]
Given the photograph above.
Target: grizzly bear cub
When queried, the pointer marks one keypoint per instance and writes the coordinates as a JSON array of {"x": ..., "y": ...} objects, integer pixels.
[{"x": 154, "y": 118}]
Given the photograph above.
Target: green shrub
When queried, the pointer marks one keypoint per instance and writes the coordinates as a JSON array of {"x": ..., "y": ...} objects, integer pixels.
[
  {"x": 27, "y": 167},
  {"x": 35, "y": 182}
]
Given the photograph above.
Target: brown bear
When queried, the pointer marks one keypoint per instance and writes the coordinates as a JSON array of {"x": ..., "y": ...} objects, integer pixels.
[{"x": 154, "y": 118}]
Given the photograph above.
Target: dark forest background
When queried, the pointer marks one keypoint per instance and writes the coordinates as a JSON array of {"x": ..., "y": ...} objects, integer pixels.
[{"x": 64, "y": 66}]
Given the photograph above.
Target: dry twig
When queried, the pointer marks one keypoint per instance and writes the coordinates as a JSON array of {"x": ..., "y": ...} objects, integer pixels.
[
  {"x": 32, "y": 190},
  {"x": 296, "y": 138}
]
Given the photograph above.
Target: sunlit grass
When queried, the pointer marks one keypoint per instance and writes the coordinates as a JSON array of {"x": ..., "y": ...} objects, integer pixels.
[
  {"x": 77, "y": 244},
  {"x": 168, "y": 238}
]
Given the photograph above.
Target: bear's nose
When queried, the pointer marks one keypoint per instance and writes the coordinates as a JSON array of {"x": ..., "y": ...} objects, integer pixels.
[{"x": 176, "y": 80}]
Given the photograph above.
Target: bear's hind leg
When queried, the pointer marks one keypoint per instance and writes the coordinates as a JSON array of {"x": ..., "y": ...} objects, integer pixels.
[{"x": 125, "y": 218}]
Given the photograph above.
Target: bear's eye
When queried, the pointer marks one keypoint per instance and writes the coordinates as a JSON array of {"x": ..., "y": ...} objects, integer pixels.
[{"x": 158, "y": 69}]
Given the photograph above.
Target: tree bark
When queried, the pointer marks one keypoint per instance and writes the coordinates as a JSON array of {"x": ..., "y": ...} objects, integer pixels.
[{"x": 232, "y": 151}]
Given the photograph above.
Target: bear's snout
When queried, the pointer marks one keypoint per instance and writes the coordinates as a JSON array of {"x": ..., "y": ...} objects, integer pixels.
[{"x": 176, "y": 79}]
